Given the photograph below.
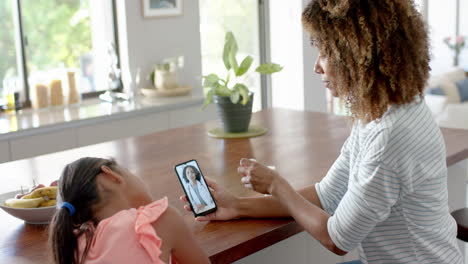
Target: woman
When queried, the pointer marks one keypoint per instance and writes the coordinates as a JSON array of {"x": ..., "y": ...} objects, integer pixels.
[
  {"x": 197, "y": 190},
  {"x": 386, "y": 194}
]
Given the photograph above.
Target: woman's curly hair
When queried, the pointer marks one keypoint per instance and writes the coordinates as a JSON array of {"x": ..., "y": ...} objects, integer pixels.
[{"x": 377, "y": 50}]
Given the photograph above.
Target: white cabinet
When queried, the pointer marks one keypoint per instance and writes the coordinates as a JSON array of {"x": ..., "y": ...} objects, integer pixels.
[
  {"x": 4, "y": 151},
  {"x": 191, "y": 116},
  {"x": 132, "y": 126},
  {"x": 30, "y": 146}
]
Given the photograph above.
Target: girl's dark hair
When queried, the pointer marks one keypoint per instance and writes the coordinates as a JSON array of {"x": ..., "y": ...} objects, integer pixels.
[
  {"x": 77, "y": 185},
  {"x": 197, "y": 173}
]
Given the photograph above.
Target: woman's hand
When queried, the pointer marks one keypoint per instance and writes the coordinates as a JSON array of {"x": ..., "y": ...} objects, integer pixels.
[
  {"x": 225, "y": 201},
  {"x": 259, "y": 177}
]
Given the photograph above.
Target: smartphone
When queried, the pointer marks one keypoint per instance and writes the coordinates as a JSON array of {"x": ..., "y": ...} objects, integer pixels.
[{"x": 195, "y": 187}]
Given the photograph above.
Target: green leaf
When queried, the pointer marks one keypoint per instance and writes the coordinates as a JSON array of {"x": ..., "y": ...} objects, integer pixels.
[
  {"x": 234, "y": 48},
  {"x": 269, "y": 68},
  {"x": 210, "y": 80},
  {"x": 228, "y": 77},
  {"x": 235, "y": 96},
  {"x": 233, "y": 62},
  {"x": 222, "y": 90},
  {"x": 245, "y": 66},
  {"x": 227, "y": 47},
  {"x": 244, "y": 92},
  {"x": 209, "y": 98},
  {"x": 152, "y": 75},
  {"x": 230, "y": 47}
]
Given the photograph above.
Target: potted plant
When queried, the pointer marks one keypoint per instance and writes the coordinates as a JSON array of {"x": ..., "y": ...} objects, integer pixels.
[{"x": 232, "y": 97}]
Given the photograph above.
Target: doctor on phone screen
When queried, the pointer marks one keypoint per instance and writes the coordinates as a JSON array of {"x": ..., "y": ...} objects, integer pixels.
[{"x": 197, "y": 190}]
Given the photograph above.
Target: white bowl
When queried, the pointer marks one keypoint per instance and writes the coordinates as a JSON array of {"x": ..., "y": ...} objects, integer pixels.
[{"x": 36, "y": 216}]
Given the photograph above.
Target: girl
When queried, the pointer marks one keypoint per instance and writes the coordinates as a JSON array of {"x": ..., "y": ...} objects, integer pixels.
[
  {"x": 386, "y": 194},
  {"x": 108, "y": 216}
]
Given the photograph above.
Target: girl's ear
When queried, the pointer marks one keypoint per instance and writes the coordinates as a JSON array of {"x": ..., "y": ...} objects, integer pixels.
[{"x": 110, "y": 174}]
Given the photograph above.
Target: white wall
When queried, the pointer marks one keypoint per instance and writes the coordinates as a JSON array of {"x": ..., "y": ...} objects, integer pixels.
[
  {"x": 149, "y": 40},
  {"x": 297, "y": 86},
  {"x": 286, "y": 49}
]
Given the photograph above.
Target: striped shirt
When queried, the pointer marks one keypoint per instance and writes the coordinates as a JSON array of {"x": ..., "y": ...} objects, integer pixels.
[{"x": 387, "y": 191}]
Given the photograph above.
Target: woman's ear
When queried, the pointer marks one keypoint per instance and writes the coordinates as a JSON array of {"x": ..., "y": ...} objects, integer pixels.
[{"x": 111, "y": 175}]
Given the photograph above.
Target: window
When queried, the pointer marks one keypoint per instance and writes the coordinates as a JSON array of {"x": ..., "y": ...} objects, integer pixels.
[
  {"x": 58, "y": 37},
  {"x": 8, "y": 58},
  {"x": 242, "y": 18}
]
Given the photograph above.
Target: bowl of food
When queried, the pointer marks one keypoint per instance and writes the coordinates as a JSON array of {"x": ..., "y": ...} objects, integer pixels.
[{"x": 35, "y": 207}]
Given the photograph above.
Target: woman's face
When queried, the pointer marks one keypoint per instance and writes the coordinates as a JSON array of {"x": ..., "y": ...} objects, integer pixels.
[
  {"x": 322, "y": 67},
  {"x": 191, "y": 174}
]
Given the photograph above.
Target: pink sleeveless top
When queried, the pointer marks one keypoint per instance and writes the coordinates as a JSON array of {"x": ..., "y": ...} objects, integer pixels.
[{"x": 127, "y": 237}]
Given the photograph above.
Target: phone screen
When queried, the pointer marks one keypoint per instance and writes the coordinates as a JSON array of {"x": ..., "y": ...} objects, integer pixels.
[{"x": 195, "y": 187}]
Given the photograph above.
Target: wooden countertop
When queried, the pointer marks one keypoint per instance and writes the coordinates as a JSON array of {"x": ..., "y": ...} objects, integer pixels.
[{"x": 302, "y": 145}]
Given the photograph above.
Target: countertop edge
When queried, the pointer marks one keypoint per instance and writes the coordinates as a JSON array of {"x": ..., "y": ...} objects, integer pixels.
[{"x": 197, "y": 101}]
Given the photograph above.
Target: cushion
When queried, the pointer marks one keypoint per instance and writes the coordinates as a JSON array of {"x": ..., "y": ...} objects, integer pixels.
[
  {"x": 454, "y": 116},
  {"x": 463, "y": 89},
  {"x": 446, "y": 81},
  {"x": 455, "y": 75},
  {"x": 435, "y": 90},
  {"x": 436, "y": 103}
]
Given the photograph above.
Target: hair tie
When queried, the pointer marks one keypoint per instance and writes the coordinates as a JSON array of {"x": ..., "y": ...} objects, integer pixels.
[{"x": 70, "y": 208}]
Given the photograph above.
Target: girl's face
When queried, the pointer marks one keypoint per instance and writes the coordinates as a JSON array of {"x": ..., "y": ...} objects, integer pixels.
[
  {"x": 191, "y": 174},
  {"x": 322, "y": 67}
]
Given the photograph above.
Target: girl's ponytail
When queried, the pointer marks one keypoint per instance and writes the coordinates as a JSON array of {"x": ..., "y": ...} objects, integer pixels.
[{"x": 62, "y": 237}]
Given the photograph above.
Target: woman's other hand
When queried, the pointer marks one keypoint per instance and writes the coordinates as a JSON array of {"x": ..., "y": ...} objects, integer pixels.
[
  {"x": 259, "y": 177},
  {"x": 226, "y": 202}
]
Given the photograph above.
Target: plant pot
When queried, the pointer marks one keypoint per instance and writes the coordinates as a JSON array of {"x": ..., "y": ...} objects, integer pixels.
[{"x": 235, "y": 118}]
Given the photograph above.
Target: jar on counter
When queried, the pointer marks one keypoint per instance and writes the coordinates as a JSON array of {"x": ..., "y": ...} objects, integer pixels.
[
  {"x": 56, "y": 93},
  {"x": 73, "y": 94},
  {"x": 40, "y": 96},
  {"x": 39, "y": 91}
]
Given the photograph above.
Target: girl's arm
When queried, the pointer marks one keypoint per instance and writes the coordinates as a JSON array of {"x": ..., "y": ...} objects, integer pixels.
[{"x": 176, "y": 235}]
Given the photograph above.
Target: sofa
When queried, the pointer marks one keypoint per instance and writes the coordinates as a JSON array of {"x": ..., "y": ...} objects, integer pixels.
[{"x": 447, "y": 97}]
